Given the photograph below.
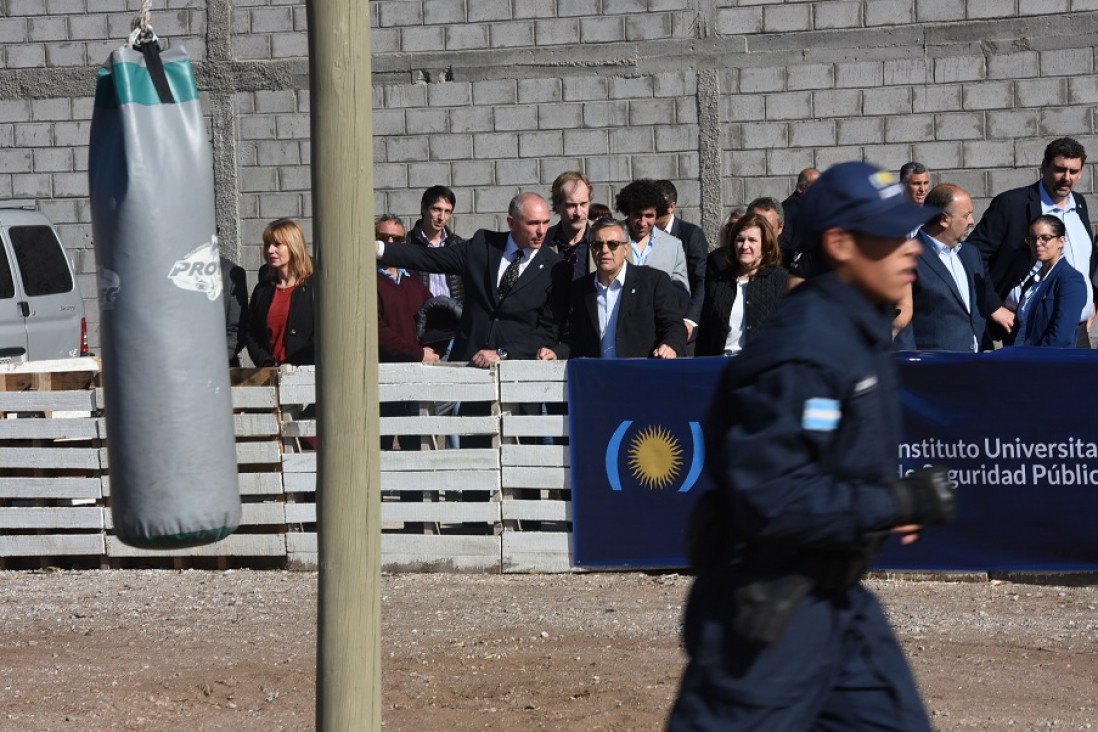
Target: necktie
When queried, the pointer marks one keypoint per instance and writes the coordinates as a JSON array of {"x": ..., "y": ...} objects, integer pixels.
[{"x": 510, "y": 275}]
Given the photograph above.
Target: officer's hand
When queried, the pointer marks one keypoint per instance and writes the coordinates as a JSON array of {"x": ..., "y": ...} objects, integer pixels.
[
  {"x": 909, "y": 533},
  {"x": 925, "y": 497},
  {"x": 546, "y": 354}
]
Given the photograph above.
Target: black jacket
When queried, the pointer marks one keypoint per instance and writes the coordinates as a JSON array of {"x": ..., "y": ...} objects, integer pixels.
[
  {"x": 574, "y": 255},
  {"x": 300, "y": 324},
  {"x": 527, "y": 319},
  {"x": 234, "y": 284},
  {"x": 800, "y": 485},
  {"x": 648, "y": 316},
  {"x": 790, "y": 240},
  {"x": 696, "y": 249},
  {"x": 763, "y": 292},
  {"x": 416, "y": 236}
]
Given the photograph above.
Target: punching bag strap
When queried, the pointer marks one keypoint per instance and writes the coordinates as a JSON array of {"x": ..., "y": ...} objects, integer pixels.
[
  {"x": 143, "y": 39},
  {"x": 151, "y": 52}
]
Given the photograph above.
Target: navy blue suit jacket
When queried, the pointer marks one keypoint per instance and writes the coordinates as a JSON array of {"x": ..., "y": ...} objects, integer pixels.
[
  {"x": 1053, "y": 318},
  {"x": 1001, "y": 238},
  {"x": 528, "y": 318},
  {"x": 939, "y": 320}
]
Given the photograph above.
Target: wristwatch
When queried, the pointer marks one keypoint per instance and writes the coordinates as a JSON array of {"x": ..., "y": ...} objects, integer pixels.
[{"x": 502, "y": 354}]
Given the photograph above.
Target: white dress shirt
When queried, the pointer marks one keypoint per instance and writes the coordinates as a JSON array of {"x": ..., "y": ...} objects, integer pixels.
[
  {"x": 737, "y": 319},
  {"x": 1077, "y": 248}
]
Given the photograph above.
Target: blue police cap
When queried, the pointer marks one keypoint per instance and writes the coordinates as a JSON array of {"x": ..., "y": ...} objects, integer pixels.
[{"x": 862, "y": 198}]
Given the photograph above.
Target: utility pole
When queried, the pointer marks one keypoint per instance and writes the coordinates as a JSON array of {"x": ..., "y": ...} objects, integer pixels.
[{"x": 348, "y": 480}]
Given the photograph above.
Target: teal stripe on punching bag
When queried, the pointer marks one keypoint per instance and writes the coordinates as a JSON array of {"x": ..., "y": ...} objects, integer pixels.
[{"x": 130, "y": 83}]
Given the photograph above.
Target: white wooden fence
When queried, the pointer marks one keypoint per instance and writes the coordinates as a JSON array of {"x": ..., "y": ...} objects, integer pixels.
[{"x": 501, "y": 505}]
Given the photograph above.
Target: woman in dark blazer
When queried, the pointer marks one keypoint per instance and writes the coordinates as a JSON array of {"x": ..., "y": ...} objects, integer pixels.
[
  {"x": 1049, "y": 302},
  {"x": 281, "y": 310},
  {"x": 747, "y": 266}
]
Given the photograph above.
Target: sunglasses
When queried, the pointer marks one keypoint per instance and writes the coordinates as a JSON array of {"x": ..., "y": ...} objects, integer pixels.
[
  {"x": 392, "y": 238},
  {"x": 598, "y": 246}
]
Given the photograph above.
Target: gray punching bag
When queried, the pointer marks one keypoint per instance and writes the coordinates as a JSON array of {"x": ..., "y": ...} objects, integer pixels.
[{"x": 173, "y": 474}]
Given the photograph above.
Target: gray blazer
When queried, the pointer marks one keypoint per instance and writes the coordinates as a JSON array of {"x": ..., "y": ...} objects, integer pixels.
[{"x": 667, "y": 255}]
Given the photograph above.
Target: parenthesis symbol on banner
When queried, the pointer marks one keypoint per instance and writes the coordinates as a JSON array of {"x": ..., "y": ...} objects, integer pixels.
[
  {"x": 698, "y": 462},
  {"x": 612, "y": 449}
]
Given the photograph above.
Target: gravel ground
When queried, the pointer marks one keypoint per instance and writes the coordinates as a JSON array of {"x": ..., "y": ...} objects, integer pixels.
[{"x": 165, "y": 650}]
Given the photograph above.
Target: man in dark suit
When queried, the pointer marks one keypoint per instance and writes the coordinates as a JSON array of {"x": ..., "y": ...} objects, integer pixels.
[
  {"x": 622, "y": 310},
  {"x": 949, "y": 310},
  {"x": 790, "y": 239},
  {"x": 515, "y": 291},
  {"x": 1001, "y": 233},
  {"x": 695, "y": 247}
]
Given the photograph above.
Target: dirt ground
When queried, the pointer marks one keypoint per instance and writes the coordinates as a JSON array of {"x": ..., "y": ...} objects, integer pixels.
[{"x": 195, "y": 650}]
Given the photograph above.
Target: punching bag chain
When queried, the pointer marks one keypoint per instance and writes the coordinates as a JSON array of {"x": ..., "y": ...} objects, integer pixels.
[{"x": 141, "y": 30}]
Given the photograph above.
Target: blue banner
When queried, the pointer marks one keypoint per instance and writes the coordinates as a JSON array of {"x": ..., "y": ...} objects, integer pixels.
[
  {"x": 637, "y": 456},
  {"x": 1018, "y": 428}
]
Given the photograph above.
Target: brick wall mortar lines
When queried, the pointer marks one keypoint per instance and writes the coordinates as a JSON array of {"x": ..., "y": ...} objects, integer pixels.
[{"x": 727, "y": 101}]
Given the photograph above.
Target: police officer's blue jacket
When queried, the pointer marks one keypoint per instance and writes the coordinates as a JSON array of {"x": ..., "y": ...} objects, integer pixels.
[{"x": 805, "y": 426}]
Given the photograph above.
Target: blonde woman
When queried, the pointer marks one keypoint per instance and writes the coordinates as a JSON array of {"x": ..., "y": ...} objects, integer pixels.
[{"x": 281, "y": 324}]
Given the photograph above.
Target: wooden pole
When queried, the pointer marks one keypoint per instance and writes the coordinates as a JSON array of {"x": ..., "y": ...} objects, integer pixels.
[{"x": 348, "y": 480}]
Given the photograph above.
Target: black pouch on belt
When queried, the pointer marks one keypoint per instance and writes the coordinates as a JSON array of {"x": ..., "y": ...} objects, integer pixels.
[{"x": 765, "y": 607}]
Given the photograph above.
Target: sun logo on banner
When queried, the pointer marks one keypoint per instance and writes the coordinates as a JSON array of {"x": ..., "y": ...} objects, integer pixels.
[{"x": 655, "y": 458}]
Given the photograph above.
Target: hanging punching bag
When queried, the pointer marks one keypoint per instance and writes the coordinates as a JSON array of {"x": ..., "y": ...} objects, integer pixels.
[{"x": 170, "y": 443}]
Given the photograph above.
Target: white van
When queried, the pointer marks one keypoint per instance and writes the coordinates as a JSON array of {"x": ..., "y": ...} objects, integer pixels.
[{"x": 41, "y": 310}]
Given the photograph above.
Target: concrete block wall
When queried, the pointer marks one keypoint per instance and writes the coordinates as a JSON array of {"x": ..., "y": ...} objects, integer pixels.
[{"x": 728, "y": 98}]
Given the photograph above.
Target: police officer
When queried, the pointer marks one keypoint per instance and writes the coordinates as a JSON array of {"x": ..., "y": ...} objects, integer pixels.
[{"x": 803, "y": 432}]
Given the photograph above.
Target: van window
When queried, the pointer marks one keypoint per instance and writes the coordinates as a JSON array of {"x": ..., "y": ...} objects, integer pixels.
[
  {"x": 7, "y": 285},
  {"x": 41, "y": 260}
]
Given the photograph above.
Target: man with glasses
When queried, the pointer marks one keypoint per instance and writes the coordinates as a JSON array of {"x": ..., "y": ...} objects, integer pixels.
[
  {"x": 399, "y": 298},
  {"x": 622, "y": 310},
  {"x": 400, "y": 295}
]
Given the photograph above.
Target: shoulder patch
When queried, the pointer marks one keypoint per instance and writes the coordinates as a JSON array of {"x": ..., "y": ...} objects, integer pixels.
[{"x": 821, "y": 415}]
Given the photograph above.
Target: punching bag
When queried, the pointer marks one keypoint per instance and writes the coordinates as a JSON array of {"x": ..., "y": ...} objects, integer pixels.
[{"x": 170, "y": 442}]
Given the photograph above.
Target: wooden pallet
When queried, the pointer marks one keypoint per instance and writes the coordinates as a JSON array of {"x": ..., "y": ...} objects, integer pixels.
[
  {"x": 51, "y": 500},
  {"x": 537, "y": 495}
]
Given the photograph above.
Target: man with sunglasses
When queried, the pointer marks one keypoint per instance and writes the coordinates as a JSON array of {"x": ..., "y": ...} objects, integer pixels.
[
  {"x": 399, "y": 298},
  {"x": 622, "y": 310}
]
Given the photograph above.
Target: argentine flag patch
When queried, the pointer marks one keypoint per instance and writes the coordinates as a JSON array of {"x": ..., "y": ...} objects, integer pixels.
[{"x": 821, "y": 415}]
